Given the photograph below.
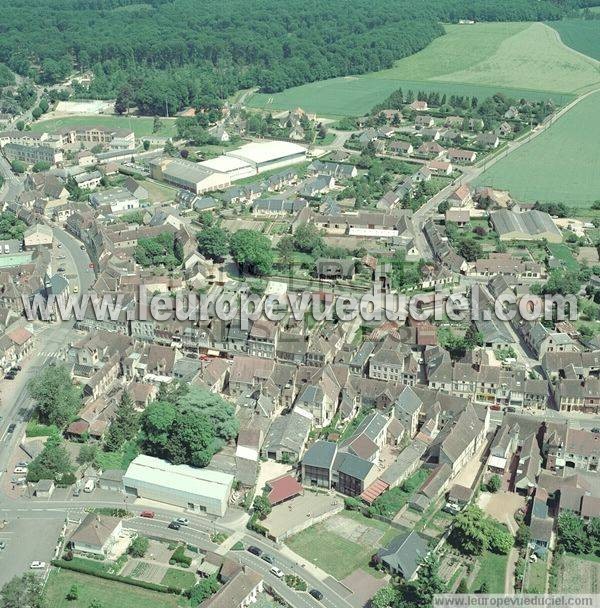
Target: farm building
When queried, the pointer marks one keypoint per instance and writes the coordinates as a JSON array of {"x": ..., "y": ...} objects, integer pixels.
[
  {"x": 526, "y": 226},
  {"x": 265, "y": 156},
  {"x": 200, "y": 490}
]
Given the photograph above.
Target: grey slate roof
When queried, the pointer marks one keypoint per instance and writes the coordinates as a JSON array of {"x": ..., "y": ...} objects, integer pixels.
[
  {"x": 320, "y": 454},
  {"x": 405, "y": 553}
]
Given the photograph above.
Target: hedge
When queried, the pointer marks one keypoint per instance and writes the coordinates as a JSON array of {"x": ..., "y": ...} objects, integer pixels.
[
  {"x": 61, "y": 563},
  {"x": 179, "y": 557}
]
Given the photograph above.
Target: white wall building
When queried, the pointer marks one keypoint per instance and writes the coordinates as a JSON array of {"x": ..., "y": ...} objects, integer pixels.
[
  {"x": 236, "y": 168},
  {"x": 199, "y": 490},
  {"x": 268, "y": 155}
]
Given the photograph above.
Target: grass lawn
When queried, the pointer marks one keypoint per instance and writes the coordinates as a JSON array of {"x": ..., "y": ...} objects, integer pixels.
[
  {"x": 391, "y": 501},
  {"x": 563, "y": 253},
  {"x": 117, "y": 460},
  {"x": 111, "y": 594},
  {"x": 560, "y": 165},
  {"x": 581, "y": 35},
  {"x": 141, "y": 125},
  {"x": 517, "y": 59},
  {"x": 536, "y": 577},
  {"x": 335, "y": 554},
  {"x": 492, "y": 571},
  {"x": 181, "y": 579}
]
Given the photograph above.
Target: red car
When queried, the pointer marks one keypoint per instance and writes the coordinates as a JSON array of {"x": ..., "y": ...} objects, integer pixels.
[{"x": 148, "y": 514}]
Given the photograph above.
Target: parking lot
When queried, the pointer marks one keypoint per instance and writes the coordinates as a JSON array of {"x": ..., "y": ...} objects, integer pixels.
[{"x": 27, "y": 540}]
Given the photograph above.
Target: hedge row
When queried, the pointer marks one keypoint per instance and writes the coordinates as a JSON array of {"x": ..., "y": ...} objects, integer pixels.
[{"x": 61, "y": 563}]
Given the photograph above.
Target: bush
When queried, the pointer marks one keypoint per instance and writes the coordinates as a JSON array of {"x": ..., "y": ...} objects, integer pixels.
[
  {"x": 179, "y": 557},
  {"x": 352, "y": 504},
  {"x": 494, "y": 483},
  {"x": 295, "y": 582}
]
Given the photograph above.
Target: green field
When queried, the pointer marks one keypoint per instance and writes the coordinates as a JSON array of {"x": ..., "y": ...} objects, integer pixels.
[
  {"x": 583, "y": 36},
  {"x": 110, "y": 594},
  {"x": 560, "y": 165},
  {"x": 517, "y": 59},
  {"x": 141, "y": 126}
]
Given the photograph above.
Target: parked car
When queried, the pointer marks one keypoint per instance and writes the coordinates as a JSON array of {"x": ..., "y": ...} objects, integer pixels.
[
  {"x": 37, "y": 565},
  {"x": 20, "y": 471},
  {"x": 61, "y": 269},
  {"x": 148, "y": 514},
  {"x": 254, "y": 550},
  {"x": 76, "y": 491},
  {"x": 183, "y": 521},
  {"x": 596, "y": 430},
  {"x": 2, "y": 545},
  {"x": 16, "y": 368},
  {"x": 275, "y": 571},
  {"x": 82, "y": 247},
  {"x": 174, "y": 525},
  {"x": 22, "y": 464},
  {"x": 11, "y": 427},
  {"x": 316, "y": 594},
  {"x": 9, "y": 376},
  {"x": 268, "y": 558}
]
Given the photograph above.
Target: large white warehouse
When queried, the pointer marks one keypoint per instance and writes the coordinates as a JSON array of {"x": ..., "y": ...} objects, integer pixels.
[
  {"x": 199, "y": 490},
  {"x": 236, "y": 168},
  {"x": 268, "y": 155}
]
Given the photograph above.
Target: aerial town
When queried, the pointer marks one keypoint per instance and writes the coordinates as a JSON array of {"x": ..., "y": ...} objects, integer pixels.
[{"x": 299, "y": 457}]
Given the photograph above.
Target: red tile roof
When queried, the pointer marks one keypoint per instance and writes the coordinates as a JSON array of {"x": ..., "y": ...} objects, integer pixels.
[
  {"x": 283, "y": 488},
  {"x": 377, "y": 488}
]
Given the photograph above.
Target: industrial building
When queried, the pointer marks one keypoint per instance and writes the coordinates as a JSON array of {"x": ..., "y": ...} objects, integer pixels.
[
  {"x": 188, "y": 175},
  {"x": 236, "y": 168},
  {"x": 265, "y": 156},
  {"x": 200, "y": 490}
]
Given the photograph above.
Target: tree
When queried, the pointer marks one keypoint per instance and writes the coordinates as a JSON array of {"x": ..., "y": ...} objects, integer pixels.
[
  {"x": 125, "y": 424},
  {"x": 470, "y": 249},
  {"x": 428, "y": 583},
  {"x": 20, "y": 125},
  {"x": 206, "y": 218},
  {"x": 252, "y": 251},
  {"x": 483, "y": 589},
  {"x": 213, "y": 242},
  {"x": 468, "y": 533},
  {"x": 58, "y": 400},
  {"x": 125, "y": 99},
  {"x": 443, "y": 207},
  {"x": 262, "y": 506},
  {"x": 139, "y": 546},
  {"x": 11, "y": 227},
  {"x": 572, "y": 536},
  {"x": 73, "y": 593},
  {"x": 494, "y": 483},
  {"x": 156, "y": 124},
  {"x": 53, "y": 462},
  {"x": 308, "y": 239},
  {"x": 384, "y": 598},
  {"x": 24, "y": 591},
  {"x": 499, "y": 539},
  {"x": 95, "y": 604},
  {"x": 18, "y": 166},
  {"x": 462, "y": 586},
  {"x": 36, "y": 113},
  {"x": 41, "y": 165},
  {"x": 146, "y": 145},
  {"x": 44, "y": 105},
  {"x": 87, "y": 453},
  {"x": 286, "y": 249}
]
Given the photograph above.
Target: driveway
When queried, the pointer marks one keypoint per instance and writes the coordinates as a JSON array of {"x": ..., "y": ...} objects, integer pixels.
[{"x": 502, "y": 507}]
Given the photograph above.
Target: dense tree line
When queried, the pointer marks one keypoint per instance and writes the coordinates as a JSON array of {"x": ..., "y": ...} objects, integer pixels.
[{"x": 170, "y": 54}]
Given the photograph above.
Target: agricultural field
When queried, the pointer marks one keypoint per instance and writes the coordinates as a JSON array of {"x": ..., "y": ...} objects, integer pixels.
[
  {"x": 517, "y": 59},
  {"x": 580, "y": 35},
  {"x": 560, "y": 165},
  {"x": 141, "y": 125}
]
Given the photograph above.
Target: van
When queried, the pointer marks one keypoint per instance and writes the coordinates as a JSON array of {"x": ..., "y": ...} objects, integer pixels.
[
  {"x": 20, "y": 471},
  {"x": 6, "y": 248},
  {"x": 89, "y": 486}
]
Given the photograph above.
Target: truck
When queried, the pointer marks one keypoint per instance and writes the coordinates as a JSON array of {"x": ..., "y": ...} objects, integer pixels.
[{"x": 89, "y": 486}]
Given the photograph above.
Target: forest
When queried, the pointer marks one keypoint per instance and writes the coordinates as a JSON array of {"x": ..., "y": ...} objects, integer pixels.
[{"x": 163, "y": 55}]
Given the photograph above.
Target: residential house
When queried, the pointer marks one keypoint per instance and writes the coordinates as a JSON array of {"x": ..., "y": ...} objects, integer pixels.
[
  {"x": 404, "y": 554},
  {"x": 97, "y": 534}
]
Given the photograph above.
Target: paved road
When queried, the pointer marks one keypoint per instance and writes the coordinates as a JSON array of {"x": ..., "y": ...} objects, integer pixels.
[{"x": 12, "y": 184}]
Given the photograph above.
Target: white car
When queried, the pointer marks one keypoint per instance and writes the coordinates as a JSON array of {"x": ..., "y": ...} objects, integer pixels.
[
  {"x": 37, "y": 565},
  {"x": 276, "y": 572},
  {"x": 20, "y": 471},
  {"x": 183, "y": 521}
]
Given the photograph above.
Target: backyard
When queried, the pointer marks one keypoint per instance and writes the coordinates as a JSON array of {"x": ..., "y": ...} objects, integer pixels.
[
  {"x": 492, "y": 571},
  {"x": 111, "y": 594},
  {"x": 565, "y": 255},
  {"x": 517, "y": 59},
  {"x": 578, "y": 575},
  {"x": 343, "y": 543},
  {"x": 560, "y": 165}
]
